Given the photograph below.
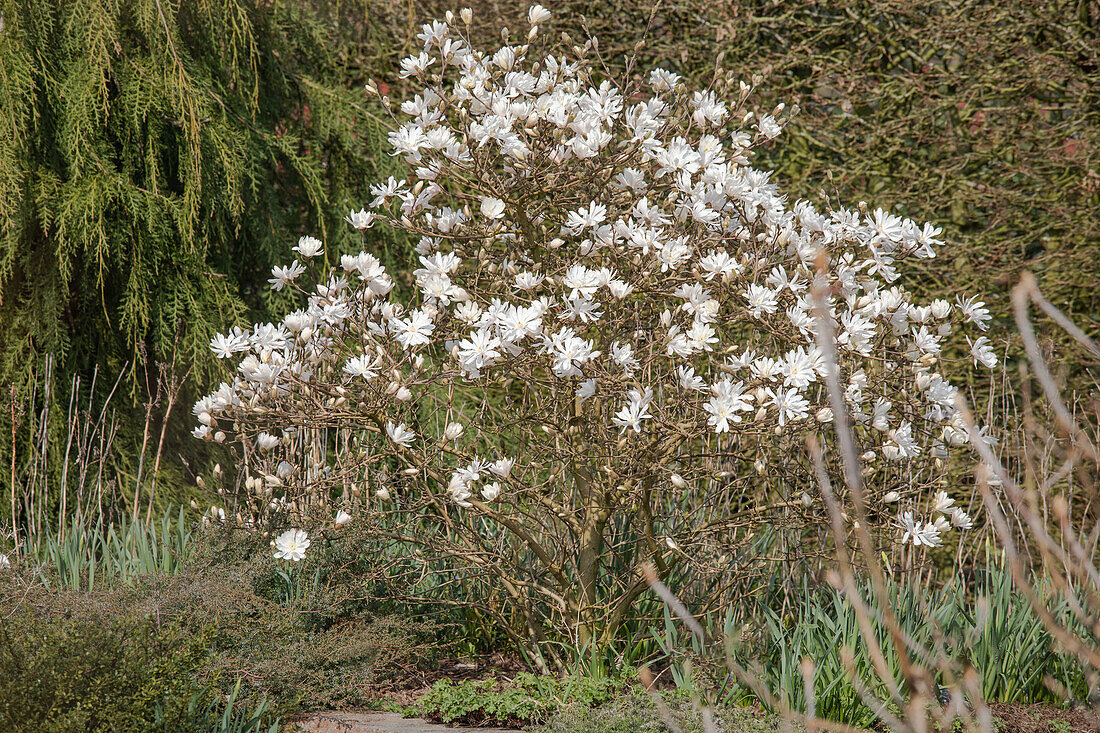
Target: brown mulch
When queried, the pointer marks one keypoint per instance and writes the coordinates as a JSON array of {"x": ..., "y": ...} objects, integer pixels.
[
  {"x": 1039, "y": 718},
  {"x": 408, "y": 689}
]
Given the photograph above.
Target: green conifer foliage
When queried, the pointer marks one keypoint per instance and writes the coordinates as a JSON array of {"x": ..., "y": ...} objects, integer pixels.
[{"x": 156, "y": 157}]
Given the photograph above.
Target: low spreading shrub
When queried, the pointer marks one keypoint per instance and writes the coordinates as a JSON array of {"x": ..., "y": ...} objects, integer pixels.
[
  {"x": 524, "y": 700},
  {"x": 162, "y": 650},
  {"x": 579, "y": 705},
  {"x": 74, "y": 670}
]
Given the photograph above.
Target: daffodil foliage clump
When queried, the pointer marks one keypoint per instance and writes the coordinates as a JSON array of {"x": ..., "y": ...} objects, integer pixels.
[{"x": 612, "y": 357}]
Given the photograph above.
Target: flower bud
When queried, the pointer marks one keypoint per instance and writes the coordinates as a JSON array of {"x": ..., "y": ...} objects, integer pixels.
[{"x": 891, "y": 497}]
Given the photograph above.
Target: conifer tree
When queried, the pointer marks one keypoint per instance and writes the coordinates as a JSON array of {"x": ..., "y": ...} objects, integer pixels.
[{"x": 155, "y": 155}]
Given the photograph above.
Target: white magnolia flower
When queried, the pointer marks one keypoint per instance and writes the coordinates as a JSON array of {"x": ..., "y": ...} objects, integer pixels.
[
  {"x": 283, "y": 276},
  {"x": 415, "y": 65},
  {"x": 416, "y": 330},
  {"x": 481, "y": 349},
  {"x": 490, "y": 491},
  {"x": 918, "y": 533},
  {"x": 623, "y": 356},
  {"x": 790, "y": 404},
  {"x": 689, "y": 380},
  {"x": 5, "y": 563},
  {"x": 226, "y": 346},
  {"x": 941, "y": 524},
  {"x": 364, "y": 366},
  {"x": 502, "y": 467},
  {"x": 266, "y": 441},
  {"x": 941, "y": 502},
  {"x": 727, "y": 400},
  {"x": 761, "y": 300},
  {"x": 528, "y": 280},
  {"x": 536, "y": 14},
  {"x": 974, "y": 311},
  {"x": 361, "y": 219},
  {"x": 634, "y": 411},
  {"x": 982, "y": 353},
  {"x": 342, "y": 519},
  {"x": 400, "y": 434},
  {"x": 453, "y": 431},
  {"x": 961, "y": 519},
  {"x": 663, "y": 81},
  {"x": 586, "y": 390},
  {"x": 902, "y": 444},
  {"x": 768, "y": 127},
  {"x": 492, "y": 207},
  {"x": 308, "y": 246},
  {"x": 291, "y": 545}
]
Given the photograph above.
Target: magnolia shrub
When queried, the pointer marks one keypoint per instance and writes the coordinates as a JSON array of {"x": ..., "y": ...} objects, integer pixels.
[{"x": 609, "y": 357}]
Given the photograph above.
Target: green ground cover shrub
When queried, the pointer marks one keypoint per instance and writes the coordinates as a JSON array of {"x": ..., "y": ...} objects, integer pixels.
[
  {"x": 86, "y": 671},
  {"x": 162, "y": 650},
  {"x": 579, "y": 705},
  {"x": 526, "y": 699}
]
